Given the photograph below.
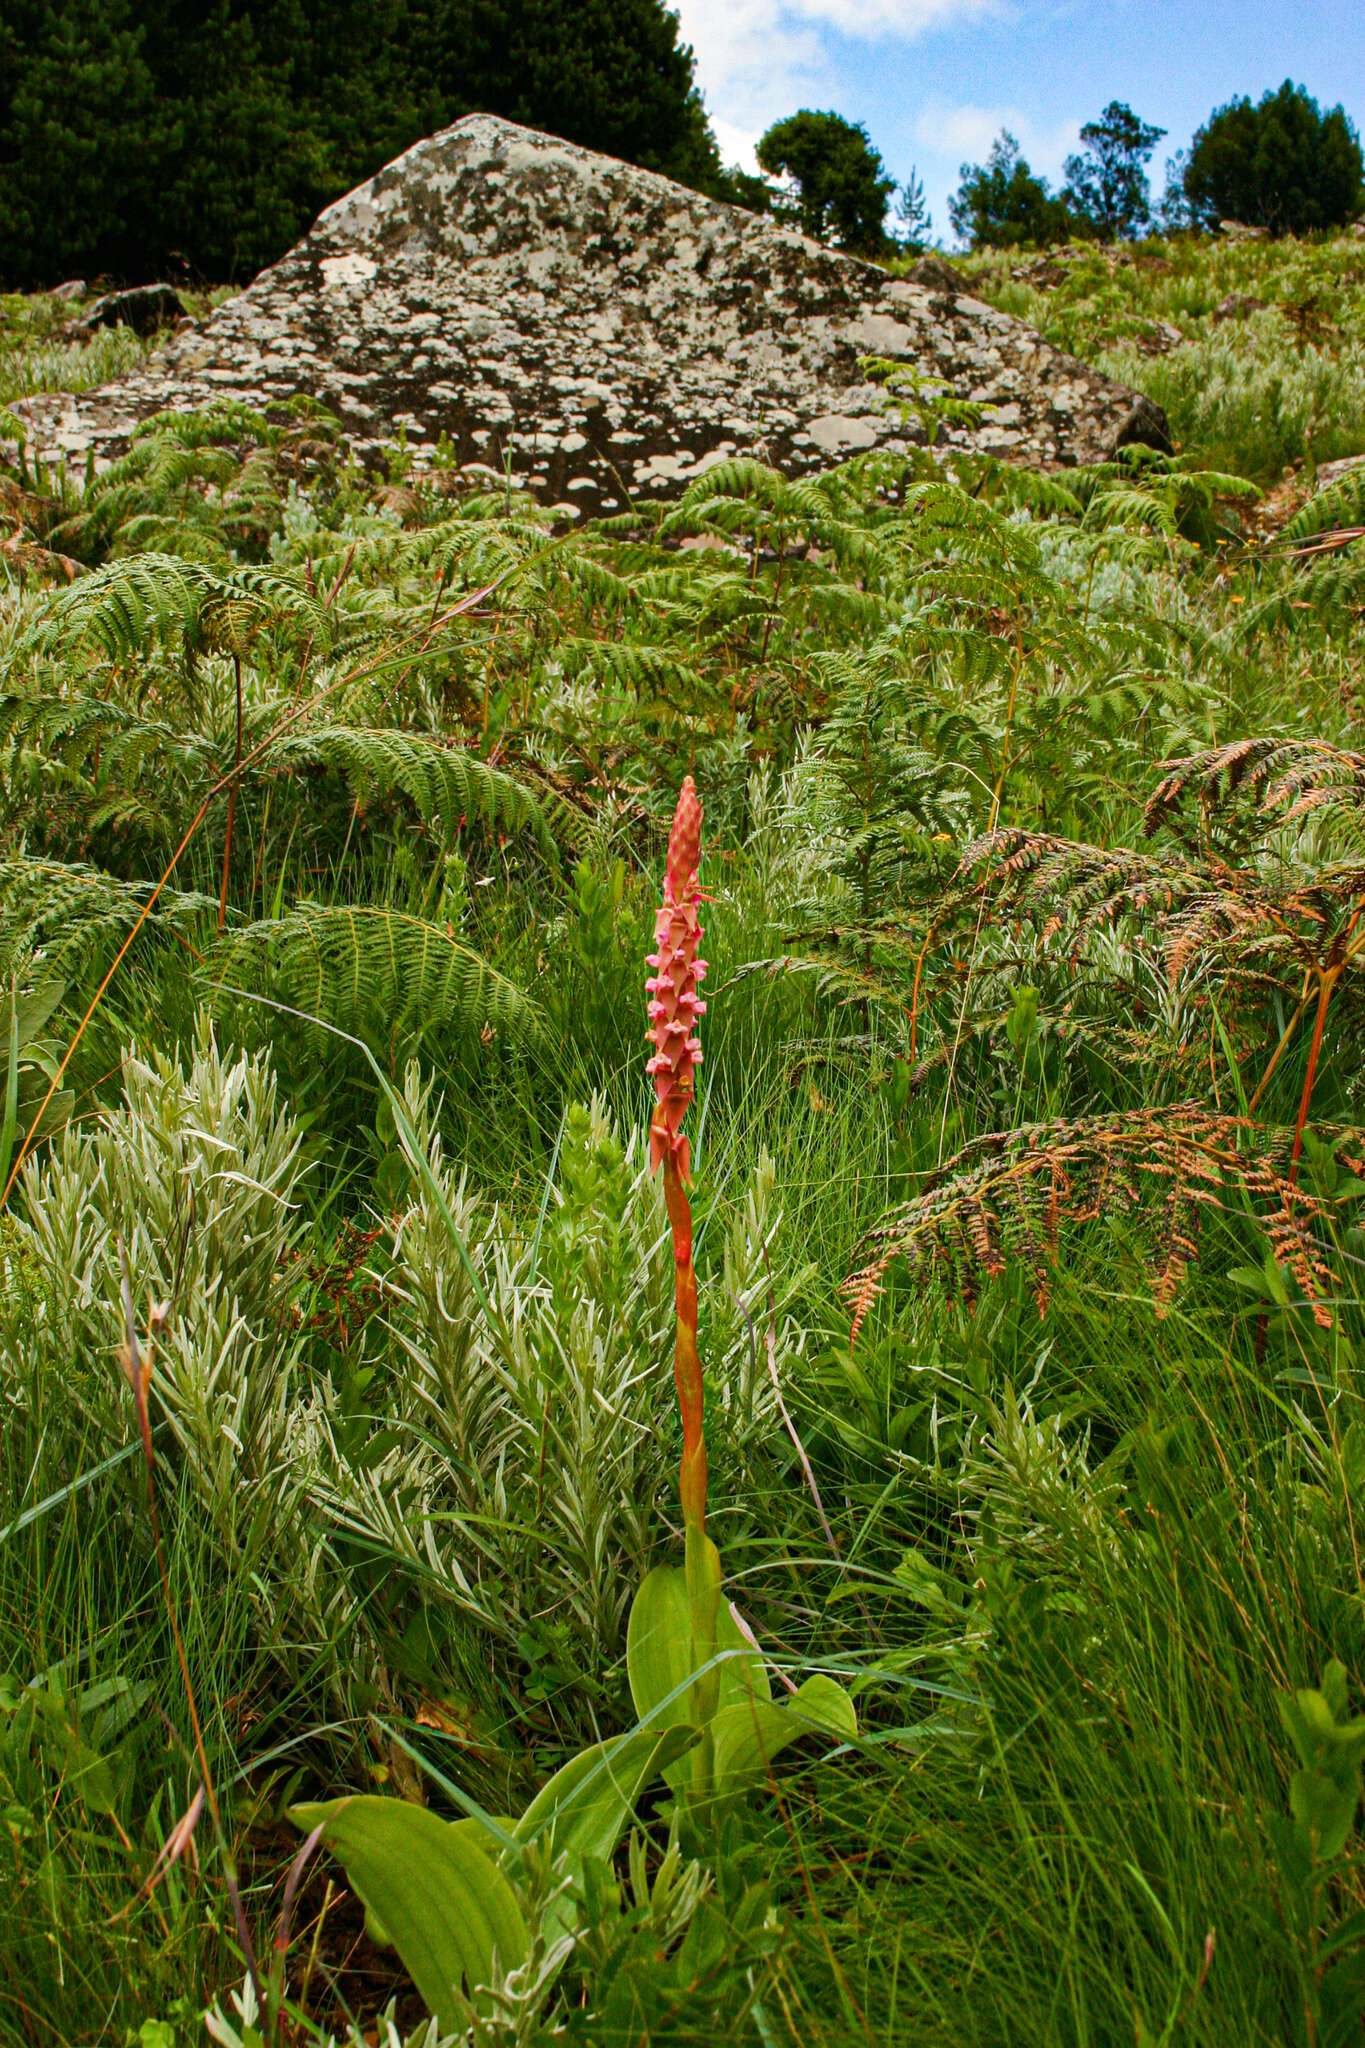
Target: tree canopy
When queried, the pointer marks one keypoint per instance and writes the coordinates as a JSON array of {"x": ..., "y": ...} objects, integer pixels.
[
  {"x": 1107, "y": 179},
  {"x": 1001, "y": 203},
  {"x": 1282, "y": 165},
  {"x": 136, "y": 135},
  {"x": 841, "y": 184}
]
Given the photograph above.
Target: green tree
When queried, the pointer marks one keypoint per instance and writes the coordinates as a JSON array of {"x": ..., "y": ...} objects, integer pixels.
[
  {"x": 135, "y": 133},
  {"x": 1000, "y": 203},
  {"x": 82, "y": 131},
  {"x": 1107, "y": 180},
  {"x": 1282, "y": 165},
  {"x": 914, "y": 225},
  {"x": 841, "y": 183}
]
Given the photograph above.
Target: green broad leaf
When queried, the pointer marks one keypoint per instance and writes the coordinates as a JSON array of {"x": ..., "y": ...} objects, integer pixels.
[
  {"x": 659, "y": 1647},
  {"x": 1273, "y": 1275},
  {"x": 743, "y": 1675},
  {"x": 586, "y": 1807},
  {"x": 57, "y": 1114},
  {"x": 90, "y": 1777},
  {"x": 750, "y": 1734},
  {"x": 1324, "y": 1809},
  {"x": 659, "y": 1653},
  {"x": 438, "y": 1895}
]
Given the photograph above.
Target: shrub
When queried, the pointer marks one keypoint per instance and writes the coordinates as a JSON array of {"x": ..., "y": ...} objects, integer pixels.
[{"x": 1281, "y": 165}]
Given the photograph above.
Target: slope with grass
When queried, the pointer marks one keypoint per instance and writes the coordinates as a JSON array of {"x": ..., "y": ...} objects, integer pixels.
[{"x": 1026, "y": 1164}]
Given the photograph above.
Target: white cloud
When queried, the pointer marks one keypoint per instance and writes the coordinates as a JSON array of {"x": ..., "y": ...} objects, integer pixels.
[
  {"x": 736, "y": 143},
  {"x": 872, "y": 18},
  {"x": 965, "y": 133},
  {"x": 754, "y": 62},
  {"x": 757, "y": 59}
]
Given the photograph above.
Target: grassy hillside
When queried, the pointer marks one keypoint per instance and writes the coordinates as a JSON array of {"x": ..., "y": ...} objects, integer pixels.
[
  {"x": 1268, "y": 363},
  {"x": 337, "y": 1296}
]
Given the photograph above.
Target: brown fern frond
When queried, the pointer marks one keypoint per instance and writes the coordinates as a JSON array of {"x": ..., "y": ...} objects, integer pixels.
[
  {"x": 1283, "y": 777},
  {"x": 1098, "y": 882},
  {"x": 1260, "y": 925},
  {"x": 1006, "y": 1197}
]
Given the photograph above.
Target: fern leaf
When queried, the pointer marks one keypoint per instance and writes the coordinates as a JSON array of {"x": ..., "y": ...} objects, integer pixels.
[
  {"x": 1339, "y": 505},
  {"x": 441, "y": 781},
  {"x": 379, "y": 971},
  {"x": 1007, "y": 1195}
]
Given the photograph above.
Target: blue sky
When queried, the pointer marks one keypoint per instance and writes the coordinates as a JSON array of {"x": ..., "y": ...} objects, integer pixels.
[{"x": 935, "y": 80}]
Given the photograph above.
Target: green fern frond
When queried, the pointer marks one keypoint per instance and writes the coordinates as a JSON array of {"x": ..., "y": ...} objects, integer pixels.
[
  {"x": 440, "y": 779},
  {"x": 1338, "y": 505},
  {"x": 381, "y": 972},
  {"x": 123, "y": 609},
  {"x": 631, "y": 664},
  {"x": 135, "y": 605},
  {"x": 70, "y": 915}
]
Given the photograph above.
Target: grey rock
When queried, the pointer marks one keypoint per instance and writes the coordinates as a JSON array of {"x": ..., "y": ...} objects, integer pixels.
[
  {"x": 1146, "y": 426},
  {"x": 144, "y": 308},
  {"x": 1237, "y": 305},
  {"x": 938, "y": 275},
  {"x": 1158, "y": 337},
  {"x": 602, "y": 333}
]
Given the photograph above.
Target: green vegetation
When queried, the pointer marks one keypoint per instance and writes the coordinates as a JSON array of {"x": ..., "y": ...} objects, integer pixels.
[
  {"x": 1271, "y": 368},
  {"x": 840, "y": 181},
  {"x": 1026, "y": 1157},
  {"x": 1283, "y": 165},
  {"x": 1107, "y": 179},
  {"x": 141, "y": 134},
  {"x": 1001, "y": 204}
]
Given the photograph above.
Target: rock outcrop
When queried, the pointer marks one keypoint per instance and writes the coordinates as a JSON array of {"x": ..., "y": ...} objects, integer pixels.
[
  {"x": 597, "y": 331},
  {"x": 144, "y": 308}
]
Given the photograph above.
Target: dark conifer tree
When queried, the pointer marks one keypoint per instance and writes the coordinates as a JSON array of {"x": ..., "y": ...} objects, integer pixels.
[
  {"x": 1107, "y": 179},
  {"x": 1283, "y": 165},
  {"x": 1000, "y": 204},
  {"x": 136, "y": 135}
]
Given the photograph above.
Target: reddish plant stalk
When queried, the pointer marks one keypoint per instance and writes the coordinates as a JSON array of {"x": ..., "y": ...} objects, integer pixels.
[
  {"x": 686, "y": 1360},
  {"x": 674, "y": 1009},
  {"x": 1326, "y": 984}
]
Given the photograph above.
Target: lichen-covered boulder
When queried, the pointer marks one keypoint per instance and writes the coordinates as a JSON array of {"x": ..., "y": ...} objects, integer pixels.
[{"x": 596, "y": 331}]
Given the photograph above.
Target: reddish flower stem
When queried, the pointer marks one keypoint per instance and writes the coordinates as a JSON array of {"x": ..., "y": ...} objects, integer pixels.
[
  {"x": 686, "y": 1360},
  {"x": 674, "y": 1011}
]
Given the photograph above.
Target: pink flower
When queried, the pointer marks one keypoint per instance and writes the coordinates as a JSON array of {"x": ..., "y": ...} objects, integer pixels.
[{"x": 674, "y": 1004}]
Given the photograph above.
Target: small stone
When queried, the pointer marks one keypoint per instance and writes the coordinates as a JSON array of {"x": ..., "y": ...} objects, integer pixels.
[
  {"x": 1237, "y": 305},
  {"x": 1158, "y": 337},
  {"x": 938, "y": 275},
  {"x": 144, "y": 308}
]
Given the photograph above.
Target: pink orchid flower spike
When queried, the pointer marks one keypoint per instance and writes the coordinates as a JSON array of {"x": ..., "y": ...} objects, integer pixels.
[{"x": 674, "y": 1009}]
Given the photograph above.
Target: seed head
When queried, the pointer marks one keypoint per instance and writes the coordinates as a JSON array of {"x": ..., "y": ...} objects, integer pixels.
[{"x": 674, "y": 1006}]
